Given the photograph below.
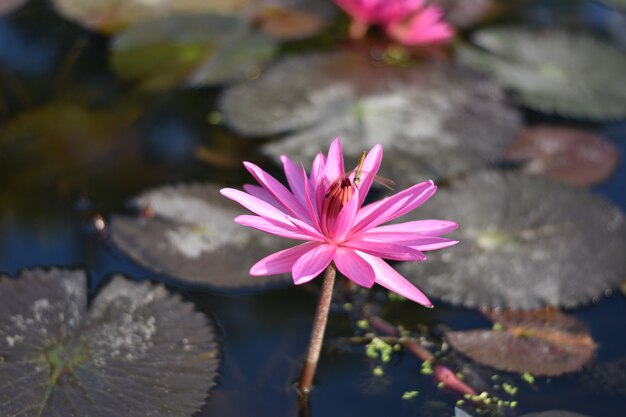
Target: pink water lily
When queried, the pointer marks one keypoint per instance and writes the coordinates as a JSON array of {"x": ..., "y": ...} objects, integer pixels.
[
  {"x": 422, "y": 27},
  {"x": 326, "y": 210},
  {"x": 376, "y": 12}
]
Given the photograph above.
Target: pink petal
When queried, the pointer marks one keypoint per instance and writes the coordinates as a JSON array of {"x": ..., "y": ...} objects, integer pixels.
[
  {"x": 370, "y": 168},
  {"x": 354, "y": 267},
  {"x": 393, "y": 281},
  {"x": 414, "y": 240},
  {"x": 424, "y": 227},
  {"x": 312, "y": 263},
  {"x": 294, "y": 178},
  {"x": 317, "y": 170},
  {"x": 384, "y": 210},
  {"x": 386, "y": 250},
  {"x": 423, "y": 27},
  {"x": 256, "y": 205},
  {"x": 420, "y": 198},
  {"x": 346, "y": 217},
  {"x": 281, "y": 262},
  {"x": 276, "y": 189},
  {"x": 269, "y": 226},
  {"x": 306, "y": 228},
  {"x": 432, "y": 243},
  {"x": 310, "y": 202},
  {"x": 334, "y": 164},
  {"x": 263, "y": 194}
]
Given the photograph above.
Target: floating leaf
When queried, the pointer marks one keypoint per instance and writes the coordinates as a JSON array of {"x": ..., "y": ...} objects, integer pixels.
[
  {"x": 555, "y": 413},
  {"x": 435, "y": 120},
  {"x": 9, "y": 6},
  {"x": 553, "y": 71},
  {"x": 525, "y": 243},
  {"x": 83, "y": 141},
  {"x": 618, "y": 4},
  {"x": 188, "y": 232},
  {"x": 543, "y": 343},
  {"x": 465, "y": 13},
  {"x": 573, "y": 156},
  {"x": 138, "y": 351},
  {"x": 460, "y": 413},
  {"x": 109, "y": 16},
  {"x": 192, "y": 50}
]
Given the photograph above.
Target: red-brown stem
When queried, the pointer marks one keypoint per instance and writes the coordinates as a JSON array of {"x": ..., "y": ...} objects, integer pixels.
[{"x": 317, "y": 333}]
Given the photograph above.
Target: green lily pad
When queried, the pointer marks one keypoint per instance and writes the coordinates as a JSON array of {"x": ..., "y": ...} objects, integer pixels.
[
  {"x": 191, "y": 50},
  {"x": 137, "y": 350},
  {"x": 553, "y": 71},
  {"x": 434, "y": 120},
  {"x": 54, "y": 149},
  {"x": 555, "y": 413},
  {"x": 9, "y": 6},
  {"x": 465, "y": 13},
  {"x": 188, "y": 232},
  {"x": 526, "y": 243},
  {"x": 111, "y": 16},
  {"x": 618, "y": 4}
]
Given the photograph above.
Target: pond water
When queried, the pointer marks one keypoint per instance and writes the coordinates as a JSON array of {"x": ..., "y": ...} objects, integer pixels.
[{"x": 76, "y": 143}]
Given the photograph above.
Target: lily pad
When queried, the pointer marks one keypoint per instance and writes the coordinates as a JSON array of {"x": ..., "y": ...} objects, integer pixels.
[
  {"x": 110, "y": 16},
  {"x": 574, "y": 156},
  {"x": 436, "y": 119},
  {"x": 543, "y": 343},
  {"x": 137, "y": 351},
  {"x": 555, "y": 413},
  {"x": 526, "y": 243},
  {"x": 188, "y": 232},
  {"x": 9, "y": 6},
  {"x": 191, "y": 50},
  {"x": 465, "y": 13},
  {"x": 553, "y": 71}
]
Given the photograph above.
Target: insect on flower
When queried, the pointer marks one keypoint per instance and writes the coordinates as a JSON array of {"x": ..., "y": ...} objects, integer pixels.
[{"x": 325, "y": 210}]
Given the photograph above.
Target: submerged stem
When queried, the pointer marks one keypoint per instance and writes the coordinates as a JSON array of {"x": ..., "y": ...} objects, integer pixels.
[{"x": 317, "y": 333}]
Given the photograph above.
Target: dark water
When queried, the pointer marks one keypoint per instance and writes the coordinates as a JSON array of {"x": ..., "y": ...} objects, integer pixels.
[{"x": 50, "y": 191}]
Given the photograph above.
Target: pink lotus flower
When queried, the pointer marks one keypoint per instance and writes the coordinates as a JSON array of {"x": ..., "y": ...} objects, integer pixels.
[
  {"x": 326, "y": 210},
  {"x": 371, "y": 12},
  {"x": 425, "y": 26}
]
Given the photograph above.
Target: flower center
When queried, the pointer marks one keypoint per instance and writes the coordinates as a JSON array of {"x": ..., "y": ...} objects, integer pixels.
[{"x": 336, "y": 198}]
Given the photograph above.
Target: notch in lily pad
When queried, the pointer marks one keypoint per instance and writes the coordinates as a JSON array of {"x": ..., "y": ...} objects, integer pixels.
[
  {"x": 137, "y": 350},
  {"x": 526, "y": 243},
  {"x": 190, "y": 50},
  {"x": 187, "y": 232},
  {"x": 553, "y": 71}
]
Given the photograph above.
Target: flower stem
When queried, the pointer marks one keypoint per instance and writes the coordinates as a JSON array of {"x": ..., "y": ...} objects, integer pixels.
[{"x": 317, "y": 333}]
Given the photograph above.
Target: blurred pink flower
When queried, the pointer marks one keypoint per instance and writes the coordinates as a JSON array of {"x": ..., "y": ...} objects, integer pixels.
[
  {"x": 376, "y": 12},
  {"x": 425, "y": 26},
  {"x": 325, "y": 210},
  {"x": 379, "y": 11}
]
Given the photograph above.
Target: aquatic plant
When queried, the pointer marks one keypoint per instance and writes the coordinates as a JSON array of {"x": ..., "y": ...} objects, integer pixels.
[
  {"x": 325, "y": 210},
  {"x": 410, "y": 22}
]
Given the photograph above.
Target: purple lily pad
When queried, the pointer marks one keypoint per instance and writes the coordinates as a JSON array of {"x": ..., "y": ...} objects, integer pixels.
[
  {"x": 544, "y": 343},
  {"x": 574, "y": 156}
]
